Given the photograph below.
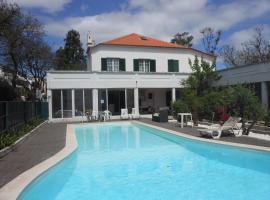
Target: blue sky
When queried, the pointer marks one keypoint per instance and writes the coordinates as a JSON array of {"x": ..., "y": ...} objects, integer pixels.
[{"x": 161, "y": 19}]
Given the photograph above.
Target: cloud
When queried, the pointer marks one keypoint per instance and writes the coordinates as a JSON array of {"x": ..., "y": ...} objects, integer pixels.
[
  {"x": 238, "y": 37},
  {"x": 162, "y": 18},
  {"x": 47, "y": 5}
]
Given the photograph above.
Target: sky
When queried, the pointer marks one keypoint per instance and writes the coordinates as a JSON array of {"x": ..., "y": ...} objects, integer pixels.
[{"x": 161, "y": 19}]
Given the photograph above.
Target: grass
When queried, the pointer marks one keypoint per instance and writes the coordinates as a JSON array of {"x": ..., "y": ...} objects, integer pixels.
[{"x": 7, "y": 139}]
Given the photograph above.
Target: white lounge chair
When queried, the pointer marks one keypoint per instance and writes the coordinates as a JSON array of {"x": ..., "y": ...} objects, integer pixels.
[
  {"x": 215, "y": 131},
  {"x": 133, "y": 114},
  {"x": 107, "y": 115},
  {"x": 124, "y": 113}
]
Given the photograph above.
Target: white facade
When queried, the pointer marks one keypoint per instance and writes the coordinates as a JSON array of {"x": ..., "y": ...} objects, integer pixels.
[
  {"x": 72, "y": 91},
  {"x": 160, "y": 55}
]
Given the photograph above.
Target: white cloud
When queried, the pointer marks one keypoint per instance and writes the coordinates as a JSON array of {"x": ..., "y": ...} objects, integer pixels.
[
  {"x": 162, "y": 18},
  {"x": 238, "y": 37},
  {"x": 47, "y": 5}
]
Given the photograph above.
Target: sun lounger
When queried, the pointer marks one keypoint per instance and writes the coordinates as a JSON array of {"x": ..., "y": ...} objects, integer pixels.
[{"x": 215, "y": 131}]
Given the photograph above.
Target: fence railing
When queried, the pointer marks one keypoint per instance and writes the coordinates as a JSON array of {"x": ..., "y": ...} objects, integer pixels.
[{"x": 14, "y": 114}]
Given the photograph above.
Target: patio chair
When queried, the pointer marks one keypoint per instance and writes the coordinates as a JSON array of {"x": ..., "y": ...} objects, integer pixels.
[
  {"x": 161, "y": 116},
  {"x": 124, "y": 113},
  {"x": 133, "y": 114},
  {"x": 107, "y": 115},
  {"x": 215, "y": 131},
  {"x": 94, "y": 115}
]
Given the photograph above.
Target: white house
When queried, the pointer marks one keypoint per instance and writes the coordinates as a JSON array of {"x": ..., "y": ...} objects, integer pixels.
[{"x": 132, "y": 71}]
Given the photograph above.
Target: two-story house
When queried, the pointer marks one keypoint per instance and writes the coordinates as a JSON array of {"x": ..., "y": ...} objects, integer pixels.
[{"x": 132, "y": 71}]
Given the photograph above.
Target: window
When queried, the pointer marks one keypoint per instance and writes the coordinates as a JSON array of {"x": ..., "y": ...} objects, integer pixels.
[
  {"x": 79, "y": 103},
  {"x": 173, "y": 66},
  {"x": 56, "y": 104},
  {"x": 113, "y": 64},
  {"x": 144, "y": 65}
]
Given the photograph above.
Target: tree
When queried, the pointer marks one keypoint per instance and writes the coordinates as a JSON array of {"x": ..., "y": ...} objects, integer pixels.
[
  {"x": 210, "y": 39},
  {"x": 245, "y": 104},
  {"x": 197, "y": 85},
  {"x": 21, "y": 37},
  {"x": 202, "y": 76},
  {"x": 23, "y": 50},
  {"x": 71, "y": 57},
  {"x": 256, "y": 50},
  {"x": 184, "y": 39}
]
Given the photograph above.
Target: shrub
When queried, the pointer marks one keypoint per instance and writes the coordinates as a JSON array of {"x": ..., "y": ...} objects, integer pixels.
[
  {"x": 7, "y": 139},
  {"x": 179, "y": 106},
  {"x": 267, "y": 120}
]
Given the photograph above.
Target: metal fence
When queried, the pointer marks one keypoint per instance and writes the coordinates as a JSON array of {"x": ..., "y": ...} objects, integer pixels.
[{"x": 14, "y": 114}]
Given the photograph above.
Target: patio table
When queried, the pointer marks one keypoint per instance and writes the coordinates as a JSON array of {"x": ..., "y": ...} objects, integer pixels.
[{"x": 182, "y": 115}]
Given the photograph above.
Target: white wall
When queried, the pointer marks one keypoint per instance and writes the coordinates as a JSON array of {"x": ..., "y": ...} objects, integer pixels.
[
  {"x": 84, "y": 79},
  {"x": 161, "y": 55},
  {"x": 245, "y": 74}
]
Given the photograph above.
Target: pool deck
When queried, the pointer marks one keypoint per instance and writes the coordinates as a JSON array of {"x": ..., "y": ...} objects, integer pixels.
[{"x": 50, "y": 138}]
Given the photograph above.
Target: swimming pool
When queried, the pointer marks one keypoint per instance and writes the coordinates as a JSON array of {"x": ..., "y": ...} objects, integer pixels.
[{"x": 118, "y": 161}]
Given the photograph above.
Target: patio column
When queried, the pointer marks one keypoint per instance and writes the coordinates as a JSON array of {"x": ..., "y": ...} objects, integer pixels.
[
  {"x": 49, "y": 93},
  {"x": 264, "y": 93},
  {"x": 126, "y": 98},
  {"x": 107, "y": 103},
  {"x": 95, "y": 99},
  {"x": 136, "y": 101},
  {"x": 73, "y": 102},
  {"x": 173, "y": 95}
]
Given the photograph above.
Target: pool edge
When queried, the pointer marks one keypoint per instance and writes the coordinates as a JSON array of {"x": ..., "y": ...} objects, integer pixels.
[
  {"x": 13, "y": 189},
  {"x": 239, "y": 145}
]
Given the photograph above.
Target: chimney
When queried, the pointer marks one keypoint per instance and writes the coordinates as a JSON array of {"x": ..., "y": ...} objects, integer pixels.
[{"x": 90, "y": 42}]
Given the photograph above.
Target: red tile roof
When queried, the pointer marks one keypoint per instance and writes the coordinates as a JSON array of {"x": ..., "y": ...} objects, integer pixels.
[{"x": 134, "y": 39}]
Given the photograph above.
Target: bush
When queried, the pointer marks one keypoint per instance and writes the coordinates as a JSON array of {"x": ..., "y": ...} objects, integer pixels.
[
  {"x": 7, "y": 139},
  {"x": 179, "y": 106},
  {"x": 267, "y": 120}
]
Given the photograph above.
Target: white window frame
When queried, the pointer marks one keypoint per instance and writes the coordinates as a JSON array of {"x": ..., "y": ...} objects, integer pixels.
[
  {"x": 113, "y": 64},
  {"x": 144, "y": 65}
]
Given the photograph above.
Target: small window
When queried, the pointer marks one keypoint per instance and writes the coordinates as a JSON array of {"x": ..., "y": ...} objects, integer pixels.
[
  {"x": 173, "y": 66},
  {"x": 113, "y": 65},
  {"x": 144, "y": 65}
]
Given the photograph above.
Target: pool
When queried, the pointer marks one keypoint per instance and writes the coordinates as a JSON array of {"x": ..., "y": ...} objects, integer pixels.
[{"x": 117, "y": 161}]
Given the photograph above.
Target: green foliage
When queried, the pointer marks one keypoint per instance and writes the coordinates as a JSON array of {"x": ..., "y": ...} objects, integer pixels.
[
  {"x": 267, "y": 120},
  {"x": 245, "y": 104},
  {"x": 71, "y": 57},
  {"x": 202, "y": 76},
  {"x": 6, "y": 90},
  {"x": 183, "y": 39},
  {"x": 7, "y": 139},
  {"x": 179, "y": 106}
]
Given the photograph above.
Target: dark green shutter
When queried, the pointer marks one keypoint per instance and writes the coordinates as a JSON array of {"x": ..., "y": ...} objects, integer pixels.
[
  {"x": 170, "y": 66},
  {"x": 103, "y": 64},
  {"x": 135, "y": 65},
  {"x": 122, "y": 65},
  {"x": 152, "y": 65},
  {"x": 176, "y": 66}
]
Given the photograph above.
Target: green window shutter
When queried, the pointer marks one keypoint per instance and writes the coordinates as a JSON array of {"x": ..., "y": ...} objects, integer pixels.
[
  {"x": 103, "y": 64},
  {"x": 170, "y": 66},
  {"x": 135, "y": 65},
  {"x": 122, "y": 65},
  {"x": 152, "y": 65},
  {"x": 176, "y": 66}
]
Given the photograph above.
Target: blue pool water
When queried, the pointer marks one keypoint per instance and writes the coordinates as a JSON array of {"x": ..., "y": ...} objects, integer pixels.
[{"x": 123, "y": 161}]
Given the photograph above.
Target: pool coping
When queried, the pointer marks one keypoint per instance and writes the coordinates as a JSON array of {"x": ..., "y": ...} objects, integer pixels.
[
  {"x": 239, "y": 145},
  {"x": 13, "y": 189}
]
